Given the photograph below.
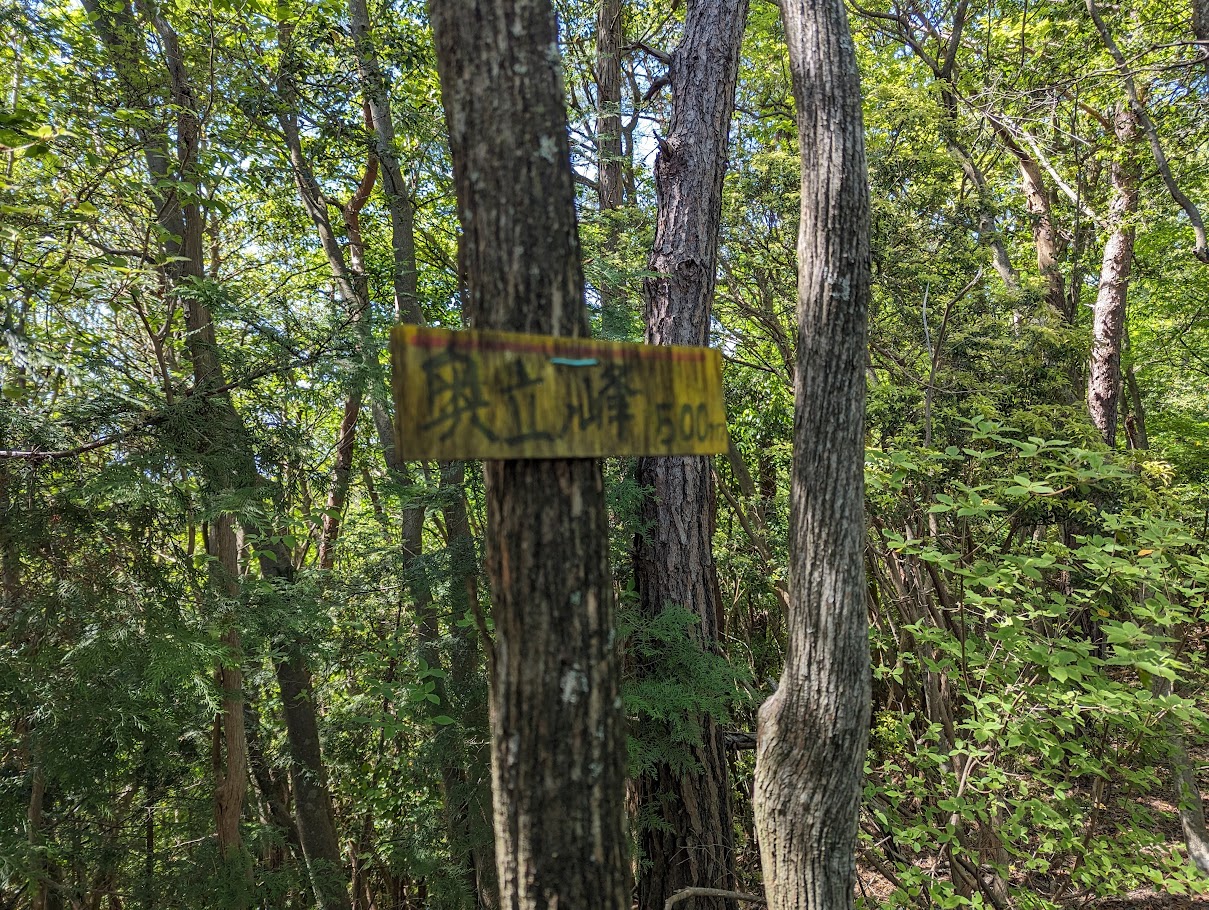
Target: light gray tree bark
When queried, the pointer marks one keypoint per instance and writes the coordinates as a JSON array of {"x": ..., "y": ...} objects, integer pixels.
[
  {"x": 1108, "y": 314},
  {"x": 813, "y": 730}
]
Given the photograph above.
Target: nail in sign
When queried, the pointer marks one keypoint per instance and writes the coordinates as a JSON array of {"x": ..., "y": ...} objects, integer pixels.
[{"x": 479, "y": 394}]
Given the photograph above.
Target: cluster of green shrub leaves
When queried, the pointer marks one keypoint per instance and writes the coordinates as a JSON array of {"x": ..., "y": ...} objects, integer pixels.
[{"x": 1061, "y": 582}]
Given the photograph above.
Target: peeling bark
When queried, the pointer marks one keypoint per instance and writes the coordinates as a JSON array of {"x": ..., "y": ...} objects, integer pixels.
[
  {"x": 1108, "y": 319},
  {"x": 1046, "y": 240}
]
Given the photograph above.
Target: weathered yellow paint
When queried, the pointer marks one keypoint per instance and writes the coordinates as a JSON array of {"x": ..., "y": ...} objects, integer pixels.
[{"x": 478, "y": 394}]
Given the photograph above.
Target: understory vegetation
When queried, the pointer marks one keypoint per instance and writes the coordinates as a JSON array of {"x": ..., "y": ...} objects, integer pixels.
[{"x": 207, "y": 540}]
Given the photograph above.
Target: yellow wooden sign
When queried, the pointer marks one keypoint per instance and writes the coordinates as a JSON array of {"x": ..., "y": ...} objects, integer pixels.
[{"x": 485, "y": 394}]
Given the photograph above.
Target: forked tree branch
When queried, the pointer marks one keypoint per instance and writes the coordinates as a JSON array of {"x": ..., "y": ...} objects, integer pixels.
[{"x": 1160, "y": 158}]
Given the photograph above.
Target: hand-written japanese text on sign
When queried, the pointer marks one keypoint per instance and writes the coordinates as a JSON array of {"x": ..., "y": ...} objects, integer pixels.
[{"x": 505, "y": 395}]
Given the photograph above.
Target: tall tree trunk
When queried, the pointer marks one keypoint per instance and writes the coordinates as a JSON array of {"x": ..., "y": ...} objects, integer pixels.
[
  {"x": 609, "y": 37},
  {"x": 273, "y": 790},
  {"x": 1142, "y": 117},
  {"x": 558, "y": 748},
  {"x": 1184, "y": 784},
  {"x": 813, "y": 730},
  {"x": 398, "y": 200},
  {"x": 464, "y": 796},
  {"x": 224, "y": 451},
  {"x": 39, "y": 869},
  {"x": 690, "y": 841},
  {"x": 346, "y": 435},
  {"x": 1108, "y": 316},
  {"x": 1136, "y": 423},
  {"x": 471, "y": 707},
  {"x": 346, "y": 439},
  {"x": 988, "y": 229}
]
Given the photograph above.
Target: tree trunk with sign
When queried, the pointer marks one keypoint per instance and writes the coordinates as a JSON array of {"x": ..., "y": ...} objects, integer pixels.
[
  {"x": 813, "y": 730},
  {"x": 558, "y": 747},
  {"x": 688, "y": 840}
]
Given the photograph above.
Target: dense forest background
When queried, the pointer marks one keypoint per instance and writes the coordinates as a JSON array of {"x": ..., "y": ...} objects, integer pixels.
[{"x": 245, "y": 647}]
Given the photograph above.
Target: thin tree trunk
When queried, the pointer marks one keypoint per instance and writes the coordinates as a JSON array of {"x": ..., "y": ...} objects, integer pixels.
[
  {"x": 813, "y": 730},
  {"x": 988, "y": 230},
  {"x": 1108, "y": 319},
  {"x": 346, "y": 438},
  {"x": 398, "y": 199},
  {"x": 1185, "y": 787},
  {"x": 39, "y": 872},
  {"x": 224, "y": 432},
  {"x": 464, "y": 800},
  {"x": 471, "y": 708},
  {"x": 346, "y": 435},
  {"x": 1046, "y": 240},
  {"x": 312, "y": 802},
  {"x": 1200, "y": 28},
  {"x": 1136, "y": 423},
  {"x": 689, "y": 841},
  {"x": 558, "y": 748},
  {"x": 273, "y": 791}
]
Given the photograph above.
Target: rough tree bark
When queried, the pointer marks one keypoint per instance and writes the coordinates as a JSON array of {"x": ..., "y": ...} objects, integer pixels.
[
  {"x": 1138, "y": 108},
  {"x": 608, "y": 103},
  {"x": 1200, "y": 27},
  {"x": 609, "y": 36},
  {"x": 690, "y": 841},
  {"x": 813, "y": 730},
  {"x": 558, "y": 749},
  {"x": 1108, "y": 314}
]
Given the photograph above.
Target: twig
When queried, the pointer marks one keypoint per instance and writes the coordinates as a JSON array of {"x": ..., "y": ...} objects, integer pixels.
[{"x": 685, "y": 893}]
